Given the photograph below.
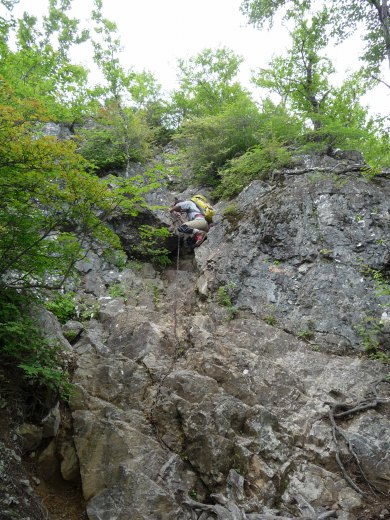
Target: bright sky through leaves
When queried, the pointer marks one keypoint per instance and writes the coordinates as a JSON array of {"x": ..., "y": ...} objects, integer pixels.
[{"x": 154, "y": 34}]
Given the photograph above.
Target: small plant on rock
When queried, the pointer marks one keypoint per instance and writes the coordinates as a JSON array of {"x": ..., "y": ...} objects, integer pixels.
[
  {"x": 232, "y": 214},
  {"x": 369, "y": 330},
  {"x": 156, "y": 295},
  {"x": 117, "y": 290},
  {"x": 150, "y": 245},
  {"x": 63, "y": 306},
  {"x": 305, "y": 334},
  {"x": 224, "y": 298},
  {"x": 116, "y": 258},
  {"x": 270, "y": 319}
]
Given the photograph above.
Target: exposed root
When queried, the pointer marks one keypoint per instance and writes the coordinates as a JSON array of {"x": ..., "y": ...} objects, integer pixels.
[{"x": 344, "y": 410}]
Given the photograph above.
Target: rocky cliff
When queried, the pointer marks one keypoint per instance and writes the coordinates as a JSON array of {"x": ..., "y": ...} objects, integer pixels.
[{"x": 237, "y": 383}]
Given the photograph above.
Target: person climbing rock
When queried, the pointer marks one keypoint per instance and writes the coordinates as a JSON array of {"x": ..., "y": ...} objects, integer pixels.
[{"x": 196, "y": 224}]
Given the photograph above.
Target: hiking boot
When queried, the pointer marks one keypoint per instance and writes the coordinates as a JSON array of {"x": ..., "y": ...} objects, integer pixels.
[{"x": 200, "y": 237}]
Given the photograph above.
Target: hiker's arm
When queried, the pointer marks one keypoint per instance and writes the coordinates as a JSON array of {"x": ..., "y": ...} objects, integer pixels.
[{"x": 176, "y": 208}]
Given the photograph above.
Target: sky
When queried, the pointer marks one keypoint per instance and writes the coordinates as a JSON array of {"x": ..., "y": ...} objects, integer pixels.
[{"x": 156, "y": 33}]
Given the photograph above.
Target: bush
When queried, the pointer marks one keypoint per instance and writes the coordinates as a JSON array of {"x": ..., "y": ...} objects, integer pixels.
[
  {"x": 151, "y": 245},
  {"x": 22, "y": 344},
  {"x": 63, "y": 306},
  {"x": 116, "y": 138},
  {"x": 208, "y": 142},
  {"x": 256, "y": 163}
]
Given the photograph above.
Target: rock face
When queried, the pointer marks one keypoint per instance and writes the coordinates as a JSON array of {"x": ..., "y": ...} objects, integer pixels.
[{"x": 227, "y": 386}]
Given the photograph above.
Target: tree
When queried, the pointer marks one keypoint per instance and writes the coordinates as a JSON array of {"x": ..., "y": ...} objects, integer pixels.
[
  {"x": 50, "y": 208},
  {"x": 119, "y": 134},
  {"x": 207, "y": 142},
  {"x": 302, "y": 78},
  {"x": 206, "y": 84},
  {"x": 117, "y": 137},
  {"x": 39, "y": 66},
  {"x": 277, "y": 130},
  {"x": 345, "y": 17}
]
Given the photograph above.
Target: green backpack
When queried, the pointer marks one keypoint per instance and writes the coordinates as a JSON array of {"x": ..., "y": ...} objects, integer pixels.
[{"x": 204, "y": 206}]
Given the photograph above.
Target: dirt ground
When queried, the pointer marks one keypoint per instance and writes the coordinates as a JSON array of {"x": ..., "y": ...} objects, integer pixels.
[{"x": 62, "y": 500}]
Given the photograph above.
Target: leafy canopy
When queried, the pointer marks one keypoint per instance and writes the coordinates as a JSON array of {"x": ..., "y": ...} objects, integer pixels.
[
  {"x": 206, "y": 84},
  {"x": 50, "y": 206},
  {"x": 208, "y": 142},
  {"x": 371, "y": 16}
]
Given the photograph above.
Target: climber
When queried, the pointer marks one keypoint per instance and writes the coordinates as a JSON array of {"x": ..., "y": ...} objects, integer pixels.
[{"x": 196, "y": 224}]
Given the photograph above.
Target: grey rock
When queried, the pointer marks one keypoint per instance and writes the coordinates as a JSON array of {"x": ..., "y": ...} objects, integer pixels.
[
  {"x": 51, "y": 422},
  {"x": 185, "y": 406},
  {"x": 30, "y": 435},
  {"x": 70, "y": 469},
  {"x": 72, "y": 329},
  {"x": 50, "y": 327}
]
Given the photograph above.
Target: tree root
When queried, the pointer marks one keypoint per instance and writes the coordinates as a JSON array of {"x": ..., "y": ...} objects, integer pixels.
[
  {"x": 230, "y": 511},
  {"x": 344, "y": 410}
]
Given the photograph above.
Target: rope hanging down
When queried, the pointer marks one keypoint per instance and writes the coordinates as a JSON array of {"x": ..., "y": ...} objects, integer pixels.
[{"x": 177, "y": 221}]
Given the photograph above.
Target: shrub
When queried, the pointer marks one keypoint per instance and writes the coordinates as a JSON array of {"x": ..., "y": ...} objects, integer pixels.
[
  {"x": 117, "y": 290},
  {"x": 22, "y": 344},
  {"x": 116, "y": 138},
  {"x": 224, "y": 298},
  {"x": 208, "y": 142},
  {"x": 256, "y": 163},
  {"x": 151, "y": 248},
  {"x": 63, "y": 306}
]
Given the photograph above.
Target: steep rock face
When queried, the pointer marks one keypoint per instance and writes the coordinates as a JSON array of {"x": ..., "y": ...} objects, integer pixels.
[
  {"x": 312, "y": 243},
  {"x": 187, "y": 408}
]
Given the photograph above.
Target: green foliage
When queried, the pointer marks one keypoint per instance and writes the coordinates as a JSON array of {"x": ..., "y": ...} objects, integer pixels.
[
  {"x": 382, "y": 285},
  {"x": 344, "y": 18},
  {"x": 370, "y": 330},
  {"x": 121, "y": 134},
  {"x": 150, "y": 247},
  {"x": 375, "y": 147},
  {"x": 371, "y": 327},
  {"x": 208, "y": 142},
  {"x": 148, "y": 102},
  {"x": 87, "y": 308},
  {"x": 305, "y": 334},
  {"x": 224, "y": 298},
  {"x": 302, "y": 80},
  {"x": 22, "y": 344},
  {"x": 117, "y": 137},
  {"x": 135, "y": 265},
  {"x": 256, "y": 163},
  {"x": 39, "y": 68},
  {"x": 63, "y": 306},
  {"x": 206, "y": 85},
  {"x": 116, "y": 258},
  {"x": 156, "y": 295},
  {"x": 302, "y": 77},
  {"x": 45, "y": 196},
  {"x": 270, "y": 319},
  {"x": 117, "y": 290},
  {"x": 232, "y": 214},
  {"x": 276, "y": 129}
]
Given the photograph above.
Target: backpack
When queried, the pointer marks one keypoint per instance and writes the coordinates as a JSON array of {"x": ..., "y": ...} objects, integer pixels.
[{"x": 204, "y": 206}]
